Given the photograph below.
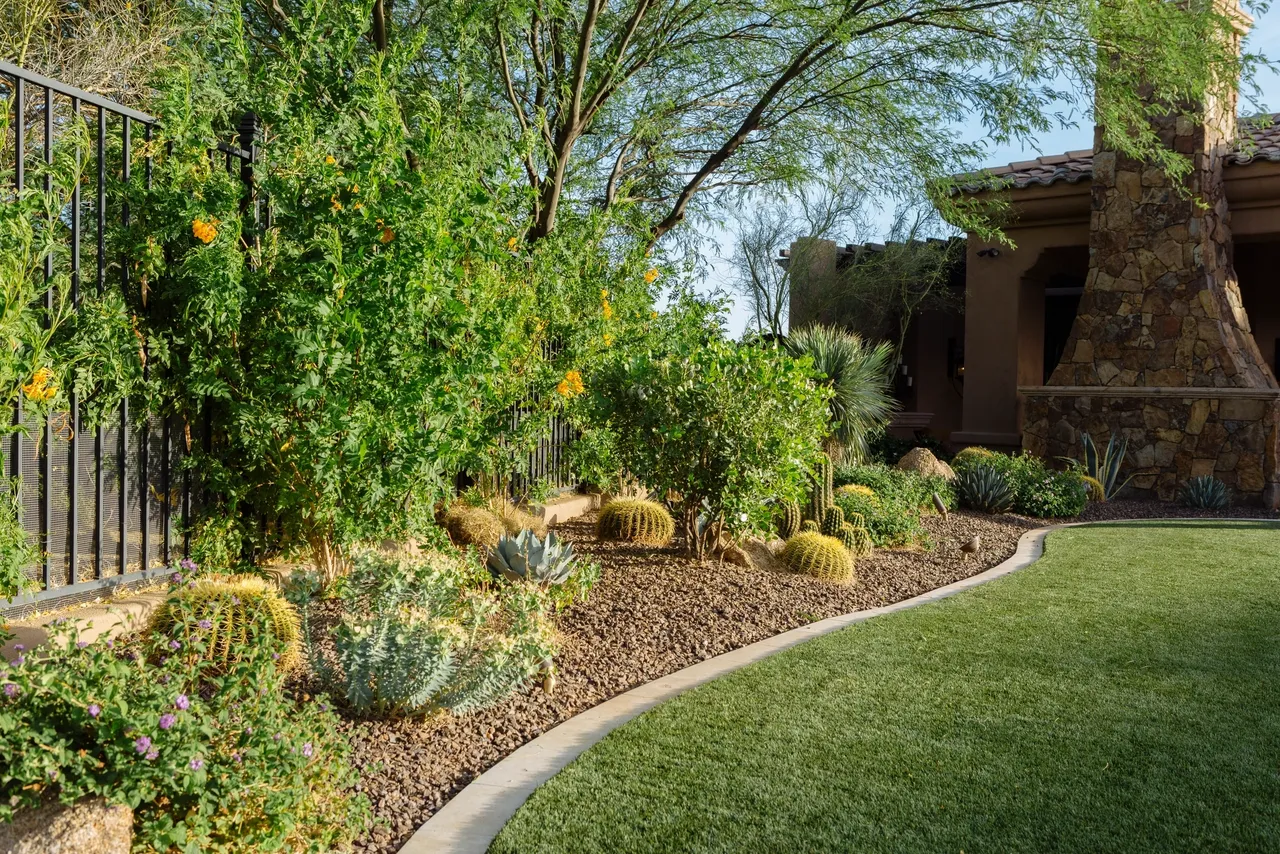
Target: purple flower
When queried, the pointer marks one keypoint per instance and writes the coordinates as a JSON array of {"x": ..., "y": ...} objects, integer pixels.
[
  {"x": 111, "y": 644},
  {"x": 20, "y": 660},
  {"x": 53, "y": 773},
  {"x": 81, "y": 644},
  {"x": 142, "y": 745},
  {"x": 275, "y": 656},
  {"x": 10, "y": 690},
  {"x": 163, "y": 659},
  {"x": 307, "y": 750},
  {"x": 167, "y": 720},
  {"x": 182, "y": 702},
  {"x": 205, "y": 624},
  {"x": 188, "y": 564},
  {"x": 152, "y": 754},
  {"x": 173, "y": 644},
  {"x": 277, "y": 736},
  {"x": 176, "y": 578},
  {"x": 164, "y": 680},
  {"x": 94, "y": 710},
  {"x": 235, "y": 757},
  {"x": 19, "y": 647},
  {"x": 197, "y": 764},
  {"x": 248, "y": 730}
]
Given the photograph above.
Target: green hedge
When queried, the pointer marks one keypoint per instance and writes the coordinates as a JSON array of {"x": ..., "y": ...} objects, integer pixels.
[
  {"x": 901, "y": 497},
  {"x": 1040, "y": 491}
]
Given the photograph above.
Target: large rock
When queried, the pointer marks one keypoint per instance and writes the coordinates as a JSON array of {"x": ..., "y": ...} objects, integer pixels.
[
  {"x": 922, "y": 461},
  {"x": 88, "y": 827}
]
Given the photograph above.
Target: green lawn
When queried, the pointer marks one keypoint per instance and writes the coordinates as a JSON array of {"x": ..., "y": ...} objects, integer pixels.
[{"x": 1121, "y": 695}]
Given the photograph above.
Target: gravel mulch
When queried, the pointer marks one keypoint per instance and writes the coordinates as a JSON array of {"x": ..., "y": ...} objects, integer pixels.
[{"x": 652, "y": 613}]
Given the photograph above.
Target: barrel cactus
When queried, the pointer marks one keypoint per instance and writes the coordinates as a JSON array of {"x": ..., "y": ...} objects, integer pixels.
[
  {"x": 789, "y": 519},
  {"x": 820, "y": 556},
  {"x": 808, "y": 526},
  {"x": 985, "y": 489},
  {"x": 1205, "y": 492},
  {"x": 832, "y": 521},
  {"x": 971, "y": 456},
  {"x": 636, "y": 520},
  {"x": 856, "y": 539},
  {"x": 230, "y": 613}
]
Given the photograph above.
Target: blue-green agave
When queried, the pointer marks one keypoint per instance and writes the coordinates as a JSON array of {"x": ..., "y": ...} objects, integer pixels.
[{"x": 526, "y": 558}]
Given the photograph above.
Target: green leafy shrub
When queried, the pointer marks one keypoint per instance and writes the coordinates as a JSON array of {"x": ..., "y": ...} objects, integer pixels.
[
  {"x": 593, "y": 457},
  {"x": 899, "y": 487},
  {"x": 890, "y": 501},
  {"x": 818, "y": 555},
  {"x": 210, "y": 759},
  {"x": 236, "y": 607},
  {"x": 16, "y": 551},
  {"x": 418, "y": 635},
  {"x": 636, "y": 520},
  {"x": 217, "y": 541},
  {"x": 1037, "y": 489},
  {"x": 727, "y": 426},
  {"x": 1205, "y": 492},
  {"x": 985, "y": 488}
]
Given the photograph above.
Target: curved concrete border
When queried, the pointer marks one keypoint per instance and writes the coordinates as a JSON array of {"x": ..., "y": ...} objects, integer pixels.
[{"x": 470, "y": 822}]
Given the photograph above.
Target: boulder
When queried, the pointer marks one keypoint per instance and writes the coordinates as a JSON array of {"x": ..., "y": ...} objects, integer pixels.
[
  {"x": 922, "y": 461},
  {"x": 88, "y": 826}
]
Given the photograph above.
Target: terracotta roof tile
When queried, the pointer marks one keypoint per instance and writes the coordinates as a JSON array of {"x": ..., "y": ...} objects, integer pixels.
[{"x": 1256, "y": 143}]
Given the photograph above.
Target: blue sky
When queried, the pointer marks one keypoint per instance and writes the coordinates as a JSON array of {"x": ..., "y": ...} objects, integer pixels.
[{"x": 1264, "y": 39}]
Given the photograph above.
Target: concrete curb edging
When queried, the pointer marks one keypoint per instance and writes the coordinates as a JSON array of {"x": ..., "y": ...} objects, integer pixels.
[{"x": 472, "y": 819}]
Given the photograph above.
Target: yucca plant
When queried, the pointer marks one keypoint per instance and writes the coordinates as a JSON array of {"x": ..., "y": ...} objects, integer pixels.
[
  {"x": 1204, "y": 492},
  {"x": 859, "y": 374}
]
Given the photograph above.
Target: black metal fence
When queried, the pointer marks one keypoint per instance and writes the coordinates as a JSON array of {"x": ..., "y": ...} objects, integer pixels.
[
  {"x": 111, "y": 505},
  {"x": 103, "y": 506}
]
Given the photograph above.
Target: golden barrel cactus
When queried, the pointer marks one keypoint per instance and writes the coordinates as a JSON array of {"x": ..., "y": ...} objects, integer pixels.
[
  {"x": 636, "y": 521},
  {"x": 235, "y": 607},
  {"x": 820, "y": 556}
]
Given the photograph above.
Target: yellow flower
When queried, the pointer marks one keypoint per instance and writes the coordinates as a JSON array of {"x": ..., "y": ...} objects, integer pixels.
[
  {"x": 511, "y": 244},
  {"x": 387, "y": 235},
  {"x": 608, "y": 310},
  {"x": 604, "y": 294},
  {"x": 650, "y": 276},
  {"x": 334, "y": 204},
  {"x": 329, "y": 160},
  {"x": 355, "y": 188},
  {"x": 205, "y": 232},
  {"x": 562, "y": 389},
  {"x": 653, "y": 315},
  {"x": 608, "y": 340},
  {"x": 39, "y": 388},
  {"x": 357, "y": 206},
  {"x": 571, "y": 385}
]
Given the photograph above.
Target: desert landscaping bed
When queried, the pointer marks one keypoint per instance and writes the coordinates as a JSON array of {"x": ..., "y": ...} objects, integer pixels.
[{"x": 652, "y": 613}]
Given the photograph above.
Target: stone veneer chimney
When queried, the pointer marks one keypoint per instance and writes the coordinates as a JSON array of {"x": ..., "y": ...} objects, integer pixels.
[{"x": 1161, "y": 350}]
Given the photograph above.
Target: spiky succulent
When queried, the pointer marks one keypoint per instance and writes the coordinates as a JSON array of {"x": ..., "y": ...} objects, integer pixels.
[
  {"x": 1205, "y": 492},
  {"x": 984, "y": 488},
  {"x": 526, "y": 558},
  {"x": 789, "y": 519},
  {"x": 856, "y": 539},
  {"x": 820, "y": 556},
  {"x": 232, "y": 613},
  {"x": 823, "y": 495},
  {"x": 637, "y": 521},
  {"x": 832, "y": 521},
  {"x": 808, "y": 526}
]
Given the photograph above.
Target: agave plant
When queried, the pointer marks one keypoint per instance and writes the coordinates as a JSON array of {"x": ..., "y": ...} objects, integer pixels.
[
  {"x": 526, "y": 558},
  {"x": 1205, "y": 492},
  {"x": 1101, "y": 469},
  {"x": 859, "y": 374},
  {"x": 985, "y": 489}
]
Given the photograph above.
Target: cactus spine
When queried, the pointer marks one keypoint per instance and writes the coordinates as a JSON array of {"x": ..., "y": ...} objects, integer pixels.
[
  {"x": 809, "y": 527},
  {"x": 820, "y": 556},
  {"x": 856, "y": 539},
  {"x": 789, "y": 520},
  {"x": 832, "y": 521}
]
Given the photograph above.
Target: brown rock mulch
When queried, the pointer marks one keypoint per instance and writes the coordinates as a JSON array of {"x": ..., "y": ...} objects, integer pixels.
[
  {"x": 652, "y": 613},
  {"x": 1132, "y": 509}
]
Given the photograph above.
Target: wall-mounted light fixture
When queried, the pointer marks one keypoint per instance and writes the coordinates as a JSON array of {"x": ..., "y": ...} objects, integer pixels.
[{"x": 991, "y": 252}]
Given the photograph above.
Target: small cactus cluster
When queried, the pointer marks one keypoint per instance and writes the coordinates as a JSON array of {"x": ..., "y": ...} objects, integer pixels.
[
  {"x": 832, "y": 521},
  {"x": 636, "y": 520},
  {"x": 230, "y": 610},
  {"x": 820, "y": 556},
  {"x": 808, "y": 526},
  {"x": 1205, "y": 492},
  {"x": 985, "y": 489},
  {"x": 823, "y": 495},
  {"x": 789, "y": 519},
  {"x": 856, "y": 539}
]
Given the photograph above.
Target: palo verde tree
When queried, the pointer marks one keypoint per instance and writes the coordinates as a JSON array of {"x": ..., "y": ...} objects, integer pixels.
[{"x": 664, "y": 106}]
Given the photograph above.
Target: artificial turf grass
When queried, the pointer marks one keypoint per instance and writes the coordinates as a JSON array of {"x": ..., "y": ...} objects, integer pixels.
[{"x": 1119, "y": 695}]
